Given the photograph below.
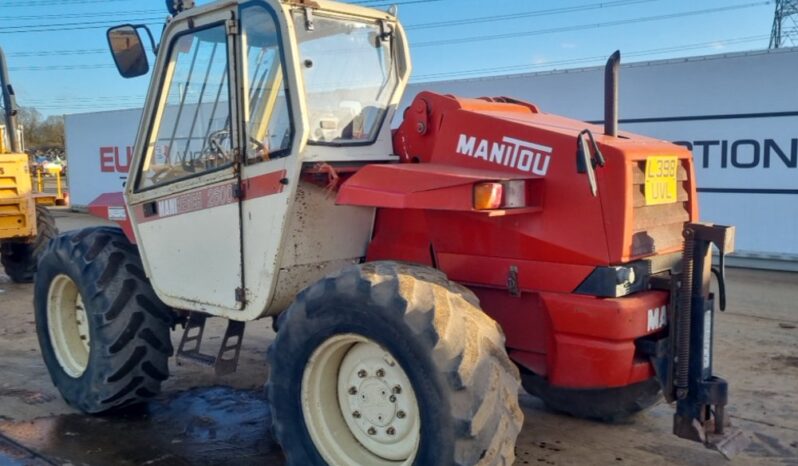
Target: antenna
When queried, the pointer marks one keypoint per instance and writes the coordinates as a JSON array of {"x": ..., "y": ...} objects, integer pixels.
[{"x": 785, "y": 24}]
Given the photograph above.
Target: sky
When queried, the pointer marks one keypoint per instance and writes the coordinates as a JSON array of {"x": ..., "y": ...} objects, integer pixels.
[{"x": 60, "y": 64}]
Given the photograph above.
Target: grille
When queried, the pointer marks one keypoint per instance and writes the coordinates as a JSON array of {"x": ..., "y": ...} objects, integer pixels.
[{"x": 658, "y": 227}]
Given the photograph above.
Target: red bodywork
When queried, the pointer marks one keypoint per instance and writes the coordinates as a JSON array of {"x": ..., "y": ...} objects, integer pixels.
[{"x": 548, "y": 248}]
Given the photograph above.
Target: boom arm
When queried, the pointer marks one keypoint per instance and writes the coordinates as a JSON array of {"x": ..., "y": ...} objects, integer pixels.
[{"x": 10, "y": 105}]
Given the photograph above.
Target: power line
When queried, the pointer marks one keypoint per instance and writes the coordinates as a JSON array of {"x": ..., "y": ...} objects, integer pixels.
[
  {"x": 121, "y": 101},
  {"x": 553, "y": 11},
  {"x": 80, "y": 15},
  {"x": 78, "y": 28},
  {"x": 382, "y": 3},
  {"x": 446, "y": 23},
  {"x": 528, "y": 14},
  {"x": 37, "y": 3},
  {"x": 595, "y": 59},
  {"x": 60, "y": 67},
  {"x": 81, "y": 23},
  {"x": 644, "y": 19},
  {"x": 57, "y": 53},
  {"x": 86, "y": 99}
]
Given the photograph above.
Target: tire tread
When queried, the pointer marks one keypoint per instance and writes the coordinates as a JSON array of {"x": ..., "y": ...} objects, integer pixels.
[
  {"x": 130, "y": 334},
  {"x": 466, "y": 346}
]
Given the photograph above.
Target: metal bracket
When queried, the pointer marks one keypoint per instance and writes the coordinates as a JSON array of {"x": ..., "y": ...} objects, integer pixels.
[
  {"x": 309, "y": 26},
  {"x": 386, "y": 30},
  {"x": 231, "y": 25},
  {"x": 512, "y": 281},
  {"x": 241, "y": 295}
]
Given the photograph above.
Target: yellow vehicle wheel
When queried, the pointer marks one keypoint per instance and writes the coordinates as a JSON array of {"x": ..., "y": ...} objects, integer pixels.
[{"x": 19, "y": 258}]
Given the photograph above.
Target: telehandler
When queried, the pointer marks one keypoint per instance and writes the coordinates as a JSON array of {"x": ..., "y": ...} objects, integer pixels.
[
  {"x": 26, "y": 226},
  {"x": 418, "y": 277}
]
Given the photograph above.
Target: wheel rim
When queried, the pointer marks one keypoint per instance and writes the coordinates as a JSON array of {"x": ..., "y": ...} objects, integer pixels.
[
  {"x": 358, "y": 404},
  {"x": 68, "y": 326}
]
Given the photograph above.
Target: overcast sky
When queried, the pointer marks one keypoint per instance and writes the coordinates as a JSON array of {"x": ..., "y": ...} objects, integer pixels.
[{"x": 60, "y": 64}]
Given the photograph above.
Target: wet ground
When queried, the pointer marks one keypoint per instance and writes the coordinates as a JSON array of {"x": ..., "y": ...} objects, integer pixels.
[
  {"x": 201, "y": 426},
  {"x": 204, "y": 419}
]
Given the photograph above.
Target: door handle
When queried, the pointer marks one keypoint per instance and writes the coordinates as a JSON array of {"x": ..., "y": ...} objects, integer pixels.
[{"x": 150, "y": 209}]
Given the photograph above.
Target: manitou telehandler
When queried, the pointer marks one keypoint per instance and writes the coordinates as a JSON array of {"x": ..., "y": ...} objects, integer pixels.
[
  {"x": 417, "y": 276},
  {"x": 26, "y": 226}
]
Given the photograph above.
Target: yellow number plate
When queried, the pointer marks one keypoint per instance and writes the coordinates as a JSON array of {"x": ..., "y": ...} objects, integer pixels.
[{"x": 661, "y": 172}]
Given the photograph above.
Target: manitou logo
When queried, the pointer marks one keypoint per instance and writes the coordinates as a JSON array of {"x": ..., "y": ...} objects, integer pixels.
[
  {"x": 510, "y": 152},
  {"x": 657, "y": 318}
]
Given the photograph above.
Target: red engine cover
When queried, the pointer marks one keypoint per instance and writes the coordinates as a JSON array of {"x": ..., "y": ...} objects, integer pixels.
[{"x": 546, "y": 250}]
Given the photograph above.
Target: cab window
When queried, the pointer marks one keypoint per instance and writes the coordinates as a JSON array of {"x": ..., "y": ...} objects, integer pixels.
[
  {"x": 191, "y": 135},
  {"x": 350, "y": 75},
  {"x": 268, "y": 116}
]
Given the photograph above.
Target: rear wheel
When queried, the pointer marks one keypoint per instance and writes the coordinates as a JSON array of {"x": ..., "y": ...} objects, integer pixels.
[
  {"x": 19, "y": 259},
  {"x": 103, "y": 333},
  {"x": 605, "y": 405},
  {"x": 392, "y": 364}
]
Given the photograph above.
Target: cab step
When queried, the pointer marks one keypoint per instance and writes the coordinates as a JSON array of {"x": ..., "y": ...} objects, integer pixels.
[{"x": 226, "y": 360}]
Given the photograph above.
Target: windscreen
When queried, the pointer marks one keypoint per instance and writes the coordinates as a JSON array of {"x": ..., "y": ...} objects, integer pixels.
[{"x": 350, "y": 74}]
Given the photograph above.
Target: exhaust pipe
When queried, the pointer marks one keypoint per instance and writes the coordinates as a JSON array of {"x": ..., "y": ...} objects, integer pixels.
[{"x": 611, "y": 94}]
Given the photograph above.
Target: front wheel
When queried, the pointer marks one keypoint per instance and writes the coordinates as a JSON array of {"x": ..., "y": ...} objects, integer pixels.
[
  {"x": 392, "y": 364},
  {"x": 103, "y": 333}
]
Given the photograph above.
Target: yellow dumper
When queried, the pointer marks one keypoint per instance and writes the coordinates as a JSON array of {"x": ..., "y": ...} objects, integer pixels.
[{"x": 26, "y": 225}]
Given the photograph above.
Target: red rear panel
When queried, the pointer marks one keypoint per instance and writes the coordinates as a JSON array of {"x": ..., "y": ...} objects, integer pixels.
[{"x": 525, "y": 265}]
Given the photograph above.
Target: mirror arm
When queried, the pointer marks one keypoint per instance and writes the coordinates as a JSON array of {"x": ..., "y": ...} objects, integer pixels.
[
  {"x": 599, "y": 159},
  {"x": 585, "y": 162},
  {"x": 149, "y": 34}
]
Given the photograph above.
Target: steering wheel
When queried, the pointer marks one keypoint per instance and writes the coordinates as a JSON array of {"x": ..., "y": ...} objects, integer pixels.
[
  {"x": 258, "y": 145},
  {"x": 215, "y": 141}
]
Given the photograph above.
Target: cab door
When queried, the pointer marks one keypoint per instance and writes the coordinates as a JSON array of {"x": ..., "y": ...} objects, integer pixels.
[{"x": 185, "y": 195}]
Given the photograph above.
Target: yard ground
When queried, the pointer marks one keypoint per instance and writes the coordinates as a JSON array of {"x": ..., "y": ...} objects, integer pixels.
[{"x": 202, "y": 419}]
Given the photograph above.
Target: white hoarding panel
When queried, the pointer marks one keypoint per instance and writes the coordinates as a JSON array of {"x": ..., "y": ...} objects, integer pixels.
[{"x": 99, "y": 147}]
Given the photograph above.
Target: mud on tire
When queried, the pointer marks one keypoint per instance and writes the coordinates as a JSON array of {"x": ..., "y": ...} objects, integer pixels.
[
  {"x": 19, "y": 259},
  {"x": 128, "y": 326},
  {"x": 453, "y": 354}
]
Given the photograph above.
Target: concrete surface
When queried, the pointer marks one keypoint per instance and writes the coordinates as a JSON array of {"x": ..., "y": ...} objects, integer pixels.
[{"x": 226, "y": 420}]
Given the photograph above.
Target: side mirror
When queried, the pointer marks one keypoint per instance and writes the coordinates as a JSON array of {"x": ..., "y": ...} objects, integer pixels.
[{"x": 128, "y": 51}]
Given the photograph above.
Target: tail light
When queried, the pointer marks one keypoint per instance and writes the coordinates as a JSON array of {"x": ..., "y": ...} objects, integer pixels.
[{"x": 500, "y": 195}]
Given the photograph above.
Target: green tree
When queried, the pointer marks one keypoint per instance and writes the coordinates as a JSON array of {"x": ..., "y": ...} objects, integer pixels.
[{"x": 40, "y": 131}]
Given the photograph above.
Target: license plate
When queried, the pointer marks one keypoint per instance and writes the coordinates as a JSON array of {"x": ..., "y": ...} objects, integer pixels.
[{"x": 661, "y": 173}]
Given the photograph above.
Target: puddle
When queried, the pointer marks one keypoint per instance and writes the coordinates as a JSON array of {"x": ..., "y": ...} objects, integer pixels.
[{"x": 209, "y": 425}]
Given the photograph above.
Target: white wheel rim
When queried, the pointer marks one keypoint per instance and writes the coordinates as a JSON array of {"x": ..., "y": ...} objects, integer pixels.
[
  {"x": 358, "y": 404},
  {"x": 68, "y": 326}
]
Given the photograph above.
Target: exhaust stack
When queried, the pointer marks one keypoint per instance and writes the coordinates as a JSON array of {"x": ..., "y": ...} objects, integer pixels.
[{"x": 611, "y": 94}]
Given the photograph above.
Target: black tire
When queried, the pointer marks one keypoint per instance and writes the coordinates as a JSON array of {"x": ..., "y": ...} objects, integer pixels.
[
  {"x": 452, "y": 352},
  {"x": 19, "y": 259},
  {"x": 129, "y": 326},
  {"x": 604, "y": 405}
]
